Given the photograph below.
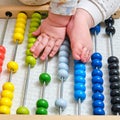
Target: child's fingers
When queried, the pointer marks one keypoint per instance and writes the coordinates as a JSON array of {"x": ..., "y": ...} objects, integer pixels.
[
  {"x": 56, "y": 47},
  {"x": 37, "y": 32},
  {"x": 48, "y": 48},
  {"x": 41, "y": 45}
]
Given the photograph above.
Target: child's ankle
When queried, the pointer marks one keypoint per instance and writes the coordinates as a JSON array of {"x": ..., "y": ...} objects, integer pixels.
[
  {"x": 58, "y": 20},
  {"x": 86, "y": 17}
]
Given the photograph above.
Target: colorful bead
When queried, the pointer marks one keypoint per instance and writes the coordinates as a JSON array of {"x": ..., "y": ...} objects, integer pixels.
[
  {"x": 30, "y": 61},
  {"x": 4, "y": 109},
  {"x": 41, "y": 111},
  {"x": 5, "y": 101},
  {"x": 22, "y": 110},
  {"x": 22, "y": 15},
  {"x": 7, "y": 93},
  {"x": 44, "y": 78},
  {"x": 12, "y": 66},
  {"x": 42, "y": 103},
  {"x": 18, "y": 37},
  {"x": 8, "y": 86}
]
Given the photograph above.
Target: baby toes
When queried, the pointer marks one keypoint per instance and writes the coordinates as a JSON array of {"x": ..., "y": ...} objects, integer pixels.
[{"x": 85, "y": 56}]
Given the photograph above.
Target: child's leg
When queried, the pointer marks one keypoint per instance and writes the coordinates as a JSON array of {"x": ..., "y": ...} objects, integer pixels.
[
  {"x": 79, "y": 34},
  {"x": 51, "y": 34}
]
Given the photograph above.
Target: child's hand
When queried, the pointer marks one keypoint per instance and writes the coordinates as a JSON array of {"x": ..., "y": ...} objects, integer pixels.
[{"x": 50, "y": 37}]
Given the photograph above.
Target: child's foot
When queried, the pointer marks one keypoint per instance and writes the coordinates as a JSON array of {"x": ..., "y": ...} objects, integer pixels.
[
  {"x": 50, "y": 34},
  {"x": 79, "y": 34}
]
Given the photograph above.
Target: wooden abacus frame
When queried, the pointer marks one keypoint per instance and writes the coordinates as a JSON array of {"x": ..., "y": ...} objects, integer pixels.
[{"x": 44, "y": 9}]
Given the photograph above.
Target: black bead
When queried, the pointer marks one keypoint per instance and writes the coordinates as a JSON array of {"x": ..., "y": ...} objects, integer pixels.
[
  {"x": 110, "y": 30},
  {"x": 113, "y": 72},
  {"x": 109, "y": 21},
  {"x": 115, "y": 92},
  {"x": 116, "y": 108},
  {"x": 8, "y": 13},
  {"x": 115, "y": 100},
  {"x": 115, "y": 85},
  {"x": 114, "y": 78},
  {"x": 113, "y": 66},
  {"x": 113, "y": 59}
]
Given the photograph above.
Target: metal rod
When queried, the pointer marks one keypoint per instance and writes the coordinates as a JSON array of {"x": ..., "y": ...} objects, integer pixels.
[
  {"x": 25, "y": 86},
  {"x": 15, "y": 52},
  {"x": 111, "y": 45}
]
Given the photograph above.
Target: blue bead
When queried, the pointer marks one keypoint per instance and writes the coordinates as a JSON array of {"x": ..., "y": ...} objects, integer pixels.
[
  {"x": 96, "y": 63},
  {"x": 79, "y": 86},
  {"x": 96, "y": 56},
  {"x": 98, "y": 103},
  {"x": 79, "y": 79},
  {"x": 63, "y": 74},
  {"x": 63, "y": 66},
  {"x": 78, "y": 94},
  {"x": 61, "y": 103},
  {"x": 97, "y": 72},
  {"x": 97, "y": 88},
  {"x": 63, "y": 53},
  {"x": 79, "y": 72},
  {"x": 98, "y": 96},
  {"x": 65, "y": 48},
  {"x": 63, "y": 59},
  {"x": 78, "y": 62},
  {"x": 98, "y": 111},
  {"x": 95, "y": 29},
  {"x": 97, "y": 79},
  {"x": 80, "y": 66}
]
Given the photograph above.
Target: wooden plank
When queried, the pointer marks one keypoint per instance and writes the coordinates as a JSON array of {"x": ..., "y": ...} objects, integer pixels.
[
  {"x": 27, "y": 9},
  {"x": 56, "y": 117},
  {"x": 30, "y": 9}
]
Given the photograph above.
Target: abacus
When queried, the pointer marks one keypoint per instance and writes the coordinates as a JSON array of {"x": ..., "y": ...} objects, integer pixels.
[{"x": 33, "y": 90}]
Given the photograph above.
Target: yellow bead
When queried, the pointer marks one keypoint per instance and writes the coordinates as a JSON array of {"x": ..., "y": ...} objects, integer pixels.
[
  {"x": 5, "y": 101},
  {"x": 20, "y": 25},
  {"x": 8, "y": 86},
  {"x": 21, "y": 20},
  {"x": 19, "y": 30},
  {"x": 12, "y": 66},
  {"x": 7, "y": 93},
  {"x": 22, "y": 15},
  {"x": 4, "y": 109},
  {"x": 18, "y": 37}
]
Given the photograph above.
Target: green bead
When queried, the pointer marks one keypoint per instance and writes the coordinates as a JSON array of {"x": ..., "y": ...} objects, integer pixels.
[
  {"x": 30, "y": 60},
  {"x": 44, "y": 77},
  {"x": 42, "y": 103},
  {"x": 31, "y": 40},
  {"x": 41, "y": 111},
  {"x": 34, "y": 24},
  {"x": 32, "y": 29},
  {"x": 22, "y": 110},
  {"x": 29, "y": 45},
  {"x": 35, "y": 20},
  {"x": 28, "y": 52},
  {"x": 36, "y": 15},
  {"x": 30, "y": 35}
]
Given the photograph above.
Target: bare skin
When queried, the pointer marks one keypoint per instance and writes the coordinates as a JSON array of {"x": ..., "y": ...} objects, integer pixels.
[
  {"x": 79, "y": 34},
  {"x": 52, "y": 32}
]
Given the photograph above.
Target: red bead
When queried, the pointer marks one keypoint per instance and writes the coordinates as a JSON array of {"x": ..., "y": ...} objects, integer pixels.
[
  {"x": 2, "y": 56},
  {"x": 0, "y": 69},
  {"x": 1, "y": 62},
  {"x": 2, "y": 49}
]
